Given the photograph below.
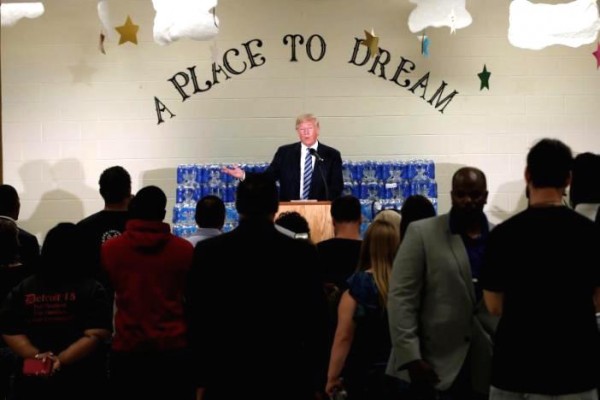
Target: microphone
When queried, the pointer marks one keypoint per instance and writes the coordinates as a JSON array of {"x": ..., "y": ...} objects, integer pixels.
[{"x": 314, "y": 153}]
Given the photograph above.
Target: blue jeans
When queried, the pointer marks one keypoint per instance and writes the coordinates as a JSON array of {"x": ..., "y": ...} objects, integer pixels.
[{"x": 499, "y": 394}]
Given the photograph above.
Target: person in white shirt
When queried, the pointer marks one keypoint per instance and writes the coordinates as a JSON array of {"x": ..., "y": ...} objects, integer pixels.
[{"x": 210, "y": 218}]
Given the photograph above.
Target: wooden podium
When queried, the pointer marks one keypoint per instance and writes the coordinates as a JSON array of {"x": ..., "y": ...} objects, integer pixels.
[{"x": 316, "y": 213}]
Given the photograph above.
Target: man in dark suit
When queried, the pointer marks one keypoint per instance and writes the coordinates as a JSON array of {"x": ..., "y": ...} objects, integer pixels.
[
  {"x": 29, "y": 248},
  {"x": 244, "y": 345},
  {"x": 307, "y": 169}
]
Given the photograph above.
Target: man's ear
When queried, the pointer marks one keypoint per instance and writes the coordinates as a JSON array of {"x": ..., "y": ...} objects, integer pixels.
[
  {"x": 527, "y": 175},
  {"x": 569, "y": 179}
]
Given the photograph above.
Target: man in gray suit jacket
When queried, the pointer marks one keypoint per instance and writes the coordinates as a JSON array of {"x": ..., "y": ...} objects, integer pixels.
[{"x": 439, "y": 328}]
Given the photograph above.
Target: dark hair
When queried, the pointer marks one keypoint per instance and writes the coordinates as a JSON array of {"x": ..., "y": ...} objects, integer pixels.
[
  {"x": 210, "y": 212},
  {"x": 585, "y": 182},
  {"x": 9, "y": 242},
  {"x": 549, "y": 163},
  {"x": 293, "y": 221},
  {"x": 9, "y": 201},
  {"x": 257, "y": 196},
  {"x": 149, "y": 203},
  {"x": 115, "y": 184},
  {"x": 415, "y": 207},
  {"x": 346, "y": 209},
  {"x": 61, "y": 256}
]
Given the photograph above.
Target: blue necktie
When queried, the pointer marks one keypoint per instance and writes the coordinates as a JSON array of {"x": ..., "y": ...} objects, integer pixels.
[{"x": 307, "y": 176}]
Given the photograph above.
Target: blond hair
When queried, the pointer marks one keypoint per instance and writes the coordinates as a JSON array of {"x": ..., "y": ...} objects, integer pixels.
[
  {"x": 307, "y": 118},
  {"x": 377, "y": 253},
  {"x": 390, "y": 215}
]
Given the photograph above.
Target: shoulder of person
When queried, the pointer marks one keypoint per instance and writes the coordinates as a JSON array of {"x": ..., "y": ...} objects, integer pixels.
[
  {"x": 324, "y": 147},
  {"x": 89, "y": 220},
  {"x": 442, "y": 219},
  {"x": 430, "y": 227},
  {"x": 289, "y": 147},
  {"x": 299, "y": 244},
  {"x": 182, "y": 242},
  {"x": 222, "y": 243},
  {"x": 23, "y": 234}
]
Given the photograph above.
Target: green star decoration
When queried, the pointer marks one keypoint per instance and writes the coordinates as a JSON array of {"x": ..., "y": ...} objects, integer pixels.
[{"x": 484, "y": 77}]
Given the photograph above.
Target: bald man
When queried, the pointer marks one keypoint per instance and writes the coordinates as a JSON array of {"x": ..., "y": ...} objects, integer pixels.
[{"x": 439, "y": 327}]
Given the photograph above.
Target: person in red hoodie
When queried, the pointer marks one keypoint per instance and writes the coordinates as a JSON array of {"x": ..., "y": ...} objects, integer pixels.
[{"x": 147, "y": 267}]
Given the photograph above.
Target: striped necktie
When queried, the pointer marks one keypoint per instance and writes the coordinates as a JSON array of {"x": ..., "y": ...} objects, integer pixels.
[{"x": 307, "y": 175}]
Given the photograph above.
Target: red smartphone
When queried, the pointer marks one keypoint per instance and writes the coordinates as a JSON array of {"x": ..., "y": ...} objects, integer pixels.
[{"x": 37, "y": 367}]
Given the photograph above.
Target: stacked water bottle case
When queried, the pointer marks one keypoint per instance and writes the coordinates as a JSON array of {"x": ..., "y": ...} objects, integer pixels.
[{"x": 378, "y": 184}]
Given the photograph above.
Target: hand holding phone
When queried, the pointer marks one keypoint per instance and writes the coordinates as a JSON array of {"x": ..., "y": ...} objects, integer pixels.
[{"x": 37, "y": 366}]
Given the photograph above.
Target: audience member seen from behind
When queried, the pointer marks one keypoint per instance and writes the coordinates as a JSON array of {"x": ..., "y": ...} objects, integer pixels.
[
  {"x": 293, "y": 224},
  {"x": 29, "y": 248},
  {"x": 338, "y": 257},
  {"x": 541, "y": 276},
  {"x": 10, "y": 276},
  {"x": 262, "y": 270},
  {"x": 60, "y": 315},
  {"x": 24, "y": 264},
  {"x": 362, "y": 345},
  {"x": 415, "y": 207},
  {"x": 325, "y": 182},
  {"x": 210, "y": 218},
  {"x": 115, "y": 189},
  {"x": 11, "y": 272},
  {"x": 440, "y": 330},
  {"x": 148, "y": 267},
  {"x": 9, "y": 243},
  {"x": 584, "y": 191}
]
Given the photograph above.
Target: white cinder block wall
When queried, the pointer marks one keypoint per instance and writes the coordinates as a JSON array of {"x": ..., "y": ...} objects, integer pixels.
[{"x": 70, "y": 111}]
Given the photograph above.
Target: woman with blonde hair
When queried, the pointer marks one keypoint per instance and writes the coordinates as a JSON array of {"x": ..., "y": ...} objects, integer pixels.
[
  {"x": 390, "y": 215},
  {"x": 362, "y": 345}
]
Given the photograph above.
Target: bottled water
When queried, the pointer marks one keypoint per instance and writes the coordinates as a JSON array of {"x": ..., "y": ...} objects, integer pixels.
[
  {"x": 422, "y": 184},
  {"x": 378, "y": 185}
]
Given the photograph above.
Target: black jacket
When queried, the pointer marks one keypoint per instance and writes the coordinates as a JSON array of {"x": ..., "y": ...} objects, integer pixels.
[{"x": 285, "y": 168}]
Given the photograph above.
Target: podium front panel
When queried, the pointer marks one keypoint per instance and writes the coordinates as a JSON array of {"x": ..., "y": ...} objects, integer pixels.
[{"x": 318, "y": 215}]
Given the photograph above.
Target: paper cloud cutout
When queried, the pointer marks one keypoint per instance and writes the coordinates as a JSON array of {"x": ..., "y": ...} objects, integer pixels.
[
  {"x": 105, "y": 19},
  {"x": 191, "y": 19},
  {"x": 11, "y": 13},
  {"x": 538, "y": 25},
  {"x": 436, "y": 13}
]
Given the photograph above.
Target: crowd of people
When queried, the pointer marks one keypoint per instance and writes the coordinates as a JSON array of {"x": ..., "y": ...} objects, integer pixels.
[{"x": 421, "y": 307}]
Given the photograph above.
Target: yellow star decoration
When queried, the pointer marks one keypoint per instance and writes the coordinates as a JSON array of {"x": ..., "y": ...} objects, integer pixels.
[
  {"x": 372, "y": 43},
  {"x": 128, "y": 32}
]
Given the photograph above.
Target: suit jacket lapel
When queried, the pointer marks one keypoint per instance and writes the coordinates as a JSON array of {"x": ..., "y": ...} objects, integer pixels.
[
  {"x": 317, "y": 185},
  {"x": 295, "y": 170}
]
